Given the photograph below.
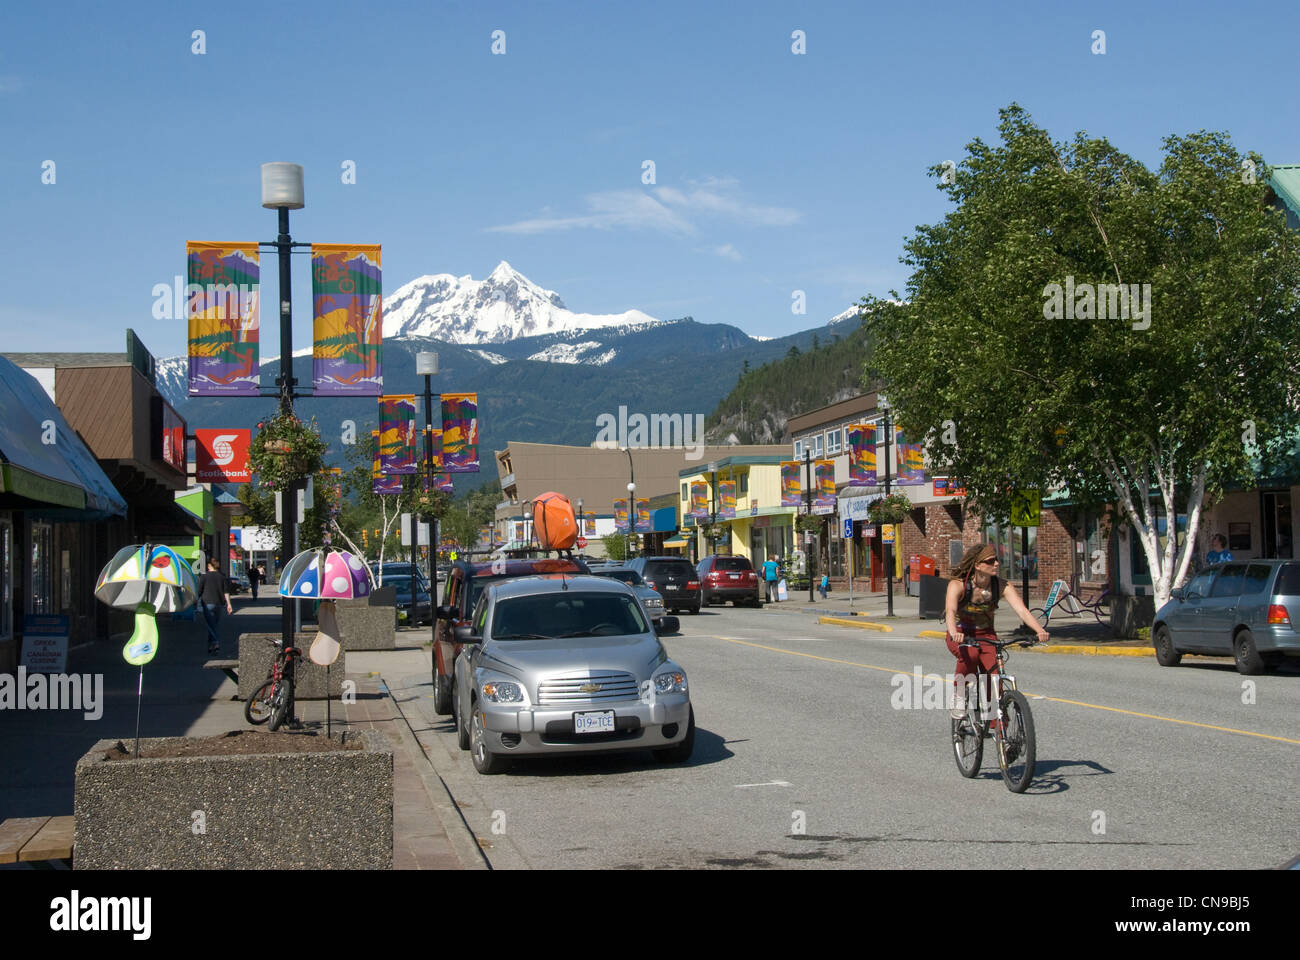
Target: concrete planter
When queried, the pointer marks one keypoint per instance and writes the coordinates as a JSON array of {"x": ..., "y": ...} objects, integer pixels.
[
  {"x": 1127, "y": 614},
  {"x": 365, "y": 625},
  {"x": 255, "y": 656},
  {"x": 328, "y": 810}
]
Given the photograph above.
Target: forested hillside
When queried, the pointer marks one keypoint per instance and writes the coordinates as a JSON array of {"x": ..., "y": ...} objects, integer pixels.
[{"x": 765, "y": 397}]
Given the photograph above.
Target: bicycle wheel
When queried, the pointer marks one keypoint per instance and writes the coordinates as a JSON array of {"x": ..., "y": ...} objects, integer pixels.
[
  {"x": 279, "y": 705},
  {"x": 1101, "y": 609},
  {"x": 1039, "y": 614},
  {"x": 968, "y": 738},
  {"x": 257, "y": 710},
  {"x": 1016, "y": 750}
]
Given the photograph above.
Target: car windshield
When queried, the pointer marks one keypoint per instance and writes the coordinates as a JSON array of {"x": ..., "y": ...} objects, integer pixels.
[
  {"x": 731, "y": 563},
  {"x": 626, "y": 576},
  {"x": 567, "y": 613},
  {"x": 669, "y": 568}
]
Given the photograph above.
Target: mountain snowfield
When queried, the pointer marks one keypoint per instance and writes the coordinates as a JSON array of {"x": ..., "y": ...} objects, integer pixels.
[{"x": 506, "y": 306}]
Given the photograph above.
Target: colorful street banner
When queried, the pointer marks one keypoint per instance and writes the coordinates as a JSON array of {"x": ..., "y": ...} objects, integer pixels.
[
  {"x": 824, "y": 471},
  {"x": 862, "y": 455},
  {"x": 221, "y": 456},
  {"x": 441, "y": 481},
  {"x": 222, "y": 307},
  {"x": 589, "y": 526},
  {"x": 347, "y": 320},
  {"x": 620, "y": 516},
  {"x": 460, "y": 432},
  {"x": 911, "y": 462},
  {"x": 791, "y": 488},
  {"x": 699, "y": 499},
  {"x": 519, "y": 531},
  {"x": 397, "y": 434},
  {"x": 380, "y": 483},
  {"x": 643, "y": 515},
  {"x": 727, "y": 499}
]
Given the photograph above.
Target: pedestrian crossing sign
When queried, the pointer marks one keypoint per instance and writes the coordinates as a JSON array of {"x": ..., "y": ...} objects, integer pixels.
[{"x": 1026, "y": 507}]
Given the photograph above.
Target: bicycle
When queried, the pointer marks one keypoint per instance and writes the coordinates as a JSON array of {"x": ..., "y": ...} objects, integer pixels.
[
  {"x": 1098, "y": 606},
  {"x": 1011, "y": 724},
  {"x": 273, "y": 700}
]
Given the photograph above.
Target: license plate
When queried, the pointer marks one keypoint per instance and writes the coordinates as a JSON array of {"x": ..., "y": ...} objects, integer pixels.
[
  {"x": 602, "y": 722},
  {"x": 734, "y": 576},
  {"x": 670, "y": 586}
]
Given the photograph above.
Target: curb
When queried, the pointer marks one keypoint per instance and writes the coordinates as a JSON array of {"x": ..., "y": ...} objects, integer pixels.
[{"x": 860, "y": 624}]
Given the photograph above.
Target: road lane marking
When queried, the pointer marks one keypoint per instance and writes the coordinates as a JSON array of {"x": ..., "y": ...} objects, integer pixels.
[
  {"x": 770, "y": 783},
  {"x": 1075, "y": 703}
]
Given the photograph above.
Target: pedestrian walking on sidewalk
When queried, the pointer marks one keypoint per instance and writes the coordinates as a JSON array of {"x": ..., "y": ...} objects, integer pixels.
[
  {"x": 255, "y": 577},
  {"x": 771, "y": 573},
  {"x": 212, "y": 594},
  {"x": 825, "y": 585}
]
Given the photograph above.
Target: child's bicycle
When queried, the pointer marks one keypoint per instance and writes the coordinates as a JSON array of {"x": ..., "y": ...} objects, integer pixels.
[
  {"x": 1004, "y": 714},
  {"x": 273, "y": 700}
]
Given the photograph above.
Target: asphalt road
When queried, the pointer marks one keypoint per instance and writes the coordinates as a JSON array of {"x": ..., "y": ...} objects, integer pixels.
[{"x": 805, "y": 757}]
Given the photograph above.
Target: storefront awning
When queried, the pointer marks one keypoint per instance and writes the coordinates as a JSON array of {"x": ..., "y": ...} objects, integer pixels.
[
  {"x": 680, "y": 540},
  {"x": 42, "y": 459}
]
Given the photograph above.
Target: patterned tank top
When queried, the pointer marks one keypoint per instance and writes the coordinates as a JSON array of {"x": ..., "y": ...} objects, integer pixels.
[{"x": 977, "y": 605}]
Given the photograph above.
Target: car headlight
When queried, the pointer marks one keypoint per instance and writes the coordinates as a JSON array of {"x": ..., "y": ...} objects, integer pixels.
[
  {"x": 503, "y": 691},
  {"x": 674, "y": 681},
  {"x": 654, "y": 601}
]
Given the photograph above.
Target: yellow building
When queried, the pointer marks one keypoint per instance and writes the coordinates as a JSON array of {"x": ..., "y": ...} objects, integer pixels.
[{"x": 761, "y": 526}]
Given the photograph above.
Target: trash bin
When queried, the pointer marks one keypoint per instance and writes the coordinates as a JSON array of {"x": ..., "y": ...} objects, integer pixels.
[{"x": 933, "y": 594}]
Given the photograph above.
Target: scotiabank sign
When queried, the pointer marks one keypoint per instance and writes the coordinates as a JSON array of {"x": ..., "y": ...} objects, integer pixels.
[{"x": 221, "y": 456}]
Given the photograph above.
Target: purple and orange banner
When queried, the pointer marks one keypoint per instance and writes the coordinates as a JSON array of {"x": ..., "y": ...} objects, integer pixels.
[
  {"x": 699, "y": 499},
  {"x": 222, "y": 294},
  {"x": 727, "y": 499},
  {"x": 911, "y": 462},
  {"x": 620, "y": 516},
  {"x": 588, "y": 526},
  {"x": 441, "y": 480},
  {"x": 643, "y": 515},
  {"x": 791, "y": 488},
  {"x": 397, "y": 434},
  {"x": 460, "y": 432},
  {"x": 381, "y": 483},
  {"x": 347, "y": 320},
  {"x": 824, "y": 472},
  {"x": 862, "y": 454}
]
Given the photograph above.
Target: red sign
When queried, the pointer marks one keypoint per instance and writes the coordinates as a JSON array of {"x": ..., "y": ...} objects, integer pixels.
[
  {"x": 173, "y": 441},
  {"x": 221, "y": 456},
  {"x": 946, "y": 488},
  {"x": 582, "y": 543}
]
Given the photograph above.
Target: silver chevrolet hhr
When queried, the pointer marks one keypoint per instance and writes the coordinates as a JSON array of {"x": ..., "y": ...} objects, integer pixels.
[{"x": 567, "y": 664}]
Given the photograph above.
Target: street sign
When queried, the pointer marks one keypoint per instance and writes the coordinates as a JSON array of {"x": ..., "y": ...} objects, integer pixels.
[
  {"x": 868, "y": 531},
  {"x": 848, "y": 529},
  {"x": 582, "y": 543},
  {"x": 1026, "y": 507}
]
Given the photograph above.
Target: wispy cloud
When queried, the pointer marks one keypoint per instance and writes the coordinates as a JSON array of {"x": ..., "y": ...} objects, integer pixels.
[
  {"x": 727, "y": 252},
  {"x": 666, "y": 209}
]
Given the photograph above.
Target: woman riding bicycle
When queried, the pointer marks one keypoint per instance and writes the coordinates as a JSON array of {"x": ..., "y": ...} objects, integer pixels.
[{"x": 972, "y": 601}]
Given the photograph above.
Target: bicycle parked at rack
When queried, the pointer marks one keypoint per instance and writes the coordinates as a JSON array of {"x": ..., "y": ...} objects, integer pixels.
[
  {"x": 1062, "y": 600},
  {"x": 273, "y": 700},
  {"x": 995, "y": 707}
]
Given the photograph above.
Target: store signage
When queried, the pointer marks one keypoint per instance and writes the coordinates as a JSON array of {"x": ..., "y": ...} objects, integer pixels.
[
  {"x": 45, "y": 643},
  {"x": 221, "y": 456},
  {"x": 943, "y": 487}
]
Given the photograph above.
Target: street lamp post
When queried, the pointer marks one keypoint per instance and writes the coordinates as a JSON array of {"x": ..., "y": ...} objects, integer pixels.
[
  {"x": 713, "y": 508},
  {"x": 631, "y": 502},
  {"x": 580, "y": 518},
  {"x": 282, "y": 191},
  {"x": 426, "y": 363},
  {"x": 808, "y": 501},
  {"x": 889, "y": 547}
]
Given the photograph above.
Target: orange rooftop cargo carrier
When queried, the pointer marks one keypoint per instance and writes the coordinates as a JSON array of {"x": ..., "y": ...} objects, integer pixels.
[{"x": 553, "y": 521}]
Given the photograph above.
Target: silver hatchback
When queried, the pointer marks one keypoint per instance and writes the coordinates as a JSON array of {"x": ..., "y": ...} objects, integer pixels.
[
  {"x": 1245, "y": 609},
  {"x": 561, "y": 665}
]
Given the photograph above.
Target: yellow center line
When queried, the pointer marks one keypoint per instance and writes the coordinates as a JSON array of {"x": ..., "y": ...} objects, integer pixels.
[{"x": 1075, "y": 703}]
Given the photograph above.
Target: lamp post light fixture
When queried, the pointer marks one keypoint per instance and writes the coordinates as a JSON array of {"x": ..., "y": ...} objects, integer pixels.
[
  {"x": 631, "y": 502},
  {"x": 426, "y": 365},
  {"x": 883, "y": 403},
  {"x": 282, "y": 191}
]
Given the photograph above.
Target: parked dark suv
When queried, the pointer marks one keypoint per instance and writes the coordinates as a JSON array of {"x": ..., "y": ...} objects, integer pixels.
[
  {"x": 1246, "y": 608},
  {"x": 724, "y": 577},
  {"x": 465, "y": 582},
  {"x": 674, "y": 578}
]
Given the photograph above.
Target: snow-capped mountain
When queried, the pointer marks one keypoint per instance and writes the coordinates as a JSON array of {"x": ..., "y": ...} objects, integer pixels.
[{"x": 506, "y": 306}]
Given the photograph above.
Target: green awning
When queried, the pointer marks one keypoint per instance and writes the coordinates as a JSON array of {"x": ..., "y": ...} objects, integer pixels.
[
  {"x": 14, "y": 479},
  {"x": 678, "y": 541}
]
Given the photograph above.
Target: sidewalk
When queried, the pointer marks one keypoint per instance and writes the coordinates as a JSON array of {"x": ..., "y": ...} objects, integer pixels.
[{"x": 39, "y": 749}]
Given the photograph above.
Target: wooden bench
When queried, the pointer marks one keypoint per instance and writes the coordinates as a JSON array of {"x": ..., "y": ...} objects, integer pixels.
[
  {"x": 228, "y": 667},
  {"x": 36, "y": 840}
]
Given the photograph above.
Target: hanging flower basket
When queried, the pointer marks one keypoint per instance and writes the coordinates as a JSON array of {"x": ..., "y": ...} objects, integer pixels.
[
  {"x": 894, "y": 508},
  {"x": 286, "y": 451}
]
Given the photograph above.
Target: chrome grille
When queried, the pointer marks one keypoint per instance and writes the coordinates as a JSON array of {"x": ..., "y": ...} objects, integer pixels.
[{"x": 568, "y": 689}]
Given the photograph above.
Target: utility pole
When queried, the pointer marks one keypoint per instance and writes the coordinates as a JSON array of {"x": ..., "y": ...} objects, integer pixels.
[{"x": 808, "y": 501}]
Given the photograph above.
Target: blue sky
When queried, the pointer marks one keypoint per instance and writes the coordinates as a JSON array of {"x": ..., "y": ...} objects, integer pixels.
[{"x": 775, "y": 172}]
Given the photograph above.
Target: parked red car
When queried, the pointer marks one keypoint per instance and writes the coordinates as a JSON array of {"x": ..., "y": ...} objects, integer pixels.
[
  {"x": 465, "y": 581},
  {"x": 724, "y": 577}
]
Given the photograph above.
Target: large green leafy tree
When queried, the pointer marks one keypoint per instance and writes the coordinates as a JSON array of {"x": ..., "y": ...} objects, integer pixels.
[{"x": 1014, "y": 382}]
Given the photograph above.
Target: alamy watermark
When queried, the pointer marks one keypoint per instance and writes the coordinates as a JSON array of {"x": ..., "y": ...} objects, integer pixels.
[
  {"x": 228, "y": 301},
  {"x": 1102, "y": 301},
  {"x": 658, "y": 431},
  {"x": 58, "y": 691}
]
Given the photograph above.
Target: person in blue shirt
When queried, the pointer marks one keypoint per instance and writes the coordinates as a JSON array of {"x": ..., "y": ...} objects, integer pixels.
[
  {"x": 771, "y": 573},
  {"x": 1219, "y": 552}
]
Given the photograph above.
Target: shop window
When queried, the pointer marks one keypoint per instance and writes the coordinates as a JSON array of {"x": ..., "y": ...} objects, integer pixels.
[
  {"x": 41, "y": 597},
  {"x": 1138, "y": 556},
  {"x": 1011, "y": 559},
  {"x": 6, "y": 579},
  {"x": 742, "y": 484},
  {"x": 1091, "y": 563},
  {"x": 685, "y": 492}
]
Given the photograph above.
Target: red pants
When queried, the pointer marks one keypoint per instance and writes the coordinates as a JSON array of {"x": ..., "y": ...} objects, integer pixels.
[{"x": 987, "y": 655}]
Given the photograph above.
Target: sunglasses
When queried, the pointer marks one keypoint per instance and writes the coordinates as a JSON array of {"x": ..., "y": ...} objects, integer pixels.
[{"x": 992, "y": 560}]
